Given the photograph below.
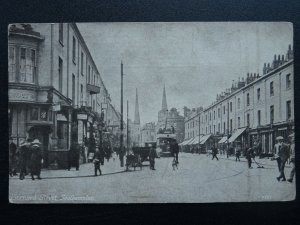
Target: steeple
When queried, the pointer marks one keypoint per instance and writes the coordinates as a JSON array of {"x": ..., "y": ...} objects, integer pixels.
[
  {"x": 164, "y": 100},
  {"x": 137, "y": 112}
]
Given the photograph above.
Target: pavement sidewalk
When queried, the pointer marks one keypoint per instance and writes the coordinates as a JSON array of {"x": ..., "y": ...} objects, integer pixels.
[
  {"x": 85, "y": 170},
  {"x": 262, "y": 161}
]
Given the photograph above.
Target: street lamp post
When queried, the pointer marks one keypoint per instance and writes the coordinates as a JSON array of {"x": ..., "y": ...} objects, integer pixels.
[{"x": 121, "y": 122}]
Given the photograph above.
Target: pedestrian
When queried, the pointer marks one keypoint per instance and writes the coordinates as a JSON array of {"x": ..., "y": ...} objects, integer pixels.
[
  {"x": 74, "y": 155},
  {"x": 214, "y": 152},
  {"x": 277, "y": 148},
  {"x": 292, "y": 159},
  {"x": 23, "y": 158},
  {"x": 97, "y": 161},
  {"x": 121, "y": 156},
  {"x": 249, "y": 156},
  {"x": 284, "y": 154},
  {"x": 36, "y": 159},
  {"x": 12, "y": 158},
  {"x": 152, "y": 156},
  {"x": 237, "y": 154},
  {"x": 175, "y": 150}
]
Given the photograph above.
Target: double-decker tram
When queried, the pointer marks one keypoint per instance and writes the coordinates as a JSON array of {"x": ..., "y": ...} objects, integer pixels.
[{"x": 163, "y": 144}]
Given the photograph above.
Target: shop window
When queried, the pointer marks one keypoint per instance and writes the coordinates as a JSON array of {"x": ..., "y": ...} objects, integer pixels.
[
  {"x": 62, "y": 134},
  {"x": 34, "y": 113}
]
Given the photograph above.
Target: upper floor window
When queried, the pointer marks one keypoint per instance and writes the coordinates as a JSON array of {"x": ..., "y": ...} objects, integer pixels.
[
  {"x": 219, "y": 112},
  {"x": 271, "y": 114},
  {"x": 60, "y": 73},
  {"x": 248, "y": 99},
  {"x": 27, "y": 65},
  {"x": 248, "y": 120},
  {"x": 11, "y": 64},
  {"x": 258, "y": 94},
  {"x": 271, "y": 88},
  {"x": 239, "y": 103},
  {"x": 214, "y": 115},
  {"x": 230, "y": 106},
  {"x": 258, "y": 118},
  {"x": 61, "y": 33},
  {"x": 230, "y": 125},
  {"x": 224, "y": 109},
  {"x": 288, "y": 81},
  {"x": 89, "y": 74},
  {"x": 288, "y": 110},
  {"x": 74, "y": 50},
  {"x": 239, "y": 122},
  {"x": 81, "y": 66}
]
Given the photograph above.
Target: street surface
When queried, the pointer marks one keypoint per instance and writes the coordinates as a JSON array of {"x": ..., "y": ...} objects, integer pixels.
[{"x": 198, "y": 179}]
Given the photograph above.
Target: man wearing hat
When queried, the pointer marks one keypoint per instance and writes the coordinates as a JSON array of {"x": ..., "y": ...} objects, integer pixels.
[
  {"x": 292, "y": 154},
  {"x": 36, "y": 159},
  {"x": 283, "y": 154},
  {"x": 23, "y": 158},
  {"x": 277, "y": 148},
  {"x": 12, "y": 157}
]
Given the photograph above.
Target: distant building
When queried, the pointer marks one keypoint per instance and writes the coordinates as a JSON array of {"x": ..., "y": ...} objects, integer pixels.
[
  {"x": 170, "y": 119},
  {"x": 148, "y": 133}
]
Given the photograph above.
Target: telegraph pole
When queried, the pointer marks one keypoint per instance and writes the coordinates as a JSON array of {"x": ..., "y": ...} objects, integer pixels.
[
  {"x": 127, "y": 129},
  {"x": 121, "y": 122}
]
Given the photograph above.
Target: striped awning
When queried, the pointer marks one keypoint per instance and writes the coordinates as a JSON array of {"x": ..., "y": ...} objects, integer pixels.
[
  {"x": 223, "y": 140},
  {"x": 236, "y": 134},
  {"x": 205, "y": 138}
]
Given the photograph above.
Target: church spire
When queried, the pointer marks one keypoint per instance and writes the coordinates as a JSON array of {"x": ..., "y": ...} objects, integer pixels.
[
  {"x": 137, "y": 112},
  {"x": 164, "y": 100}
]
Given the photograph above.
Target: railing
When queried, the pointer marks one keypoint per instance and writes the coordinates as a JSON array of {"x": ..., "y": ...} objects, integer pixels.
[{"x": 93, "y": 89}]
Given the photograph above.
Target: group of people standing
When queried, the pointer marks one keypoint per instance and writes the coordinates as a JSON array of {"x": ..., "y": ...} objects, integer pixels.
[{"x": 28, "y": 158}]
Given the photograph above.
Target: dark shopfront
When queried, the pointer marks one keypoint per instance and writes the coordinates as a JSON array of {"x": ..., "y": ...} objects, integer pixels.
[
  {"x": 266, "y": 136},
  {"x": 33, "y": 121}
]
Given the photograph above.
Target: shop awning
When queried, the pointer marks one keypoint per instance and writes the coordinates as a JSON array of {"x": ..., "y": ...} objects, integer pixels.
[
  {"x": 236, "y": 134},
  {"x": 223, "y": 140},
  {"x": 204, "y": 139},
  {"x": 195, "y": 141},
  {"x": 185, "y": 142},
  {"x": 191, "y": 141}
]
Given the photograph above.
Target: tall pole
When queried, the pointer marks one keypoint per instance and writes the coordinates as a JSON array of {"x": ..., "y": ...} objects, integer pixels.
[
  {"x": 127, "y": 129},
  {"x": 121, "y": 122}
]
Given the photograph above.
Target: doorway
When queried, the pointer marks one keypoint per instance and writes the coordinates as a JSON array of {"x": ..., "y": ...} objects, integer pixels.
[{"x": 42, "y": 134}]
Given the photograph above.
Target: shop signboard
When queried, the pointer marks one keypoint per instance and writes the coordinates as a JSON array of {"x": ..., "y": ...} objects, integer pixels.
[
  {"x": 82, "y": 116},
  {"x": 16, "y": 95}
]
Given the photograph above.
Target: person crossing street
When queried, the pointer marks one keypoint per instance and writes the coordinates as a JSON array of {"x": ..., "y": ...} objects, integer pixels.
[{"x": 214, "y": 152}]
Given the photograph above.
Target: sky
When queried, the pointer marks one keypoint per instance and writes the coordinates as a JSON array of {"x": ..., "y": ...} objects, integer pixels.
[{"x": 194, "y": 60}]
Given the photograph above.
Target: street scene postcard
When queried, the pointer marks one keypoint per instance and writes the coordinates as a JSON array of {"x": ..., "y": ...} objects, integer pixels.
[{"x": 180, "y": 112}]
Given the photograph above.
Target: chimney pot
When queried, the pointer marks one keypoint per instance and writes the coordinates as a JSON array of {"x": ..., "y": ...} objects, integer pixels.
[{"x": 275, "y": 57}]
